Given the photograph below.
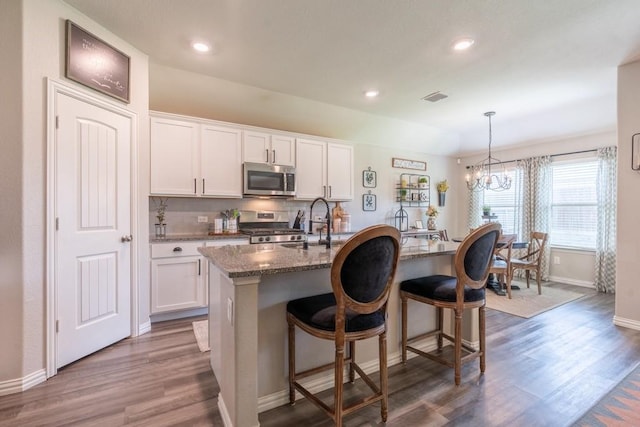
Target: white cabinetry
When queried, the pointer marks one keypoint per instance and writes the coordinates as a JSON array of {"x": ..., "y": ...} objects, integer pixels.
[
  {"x": 195, "y": 158},
  {"x": 324, "y": 170},
  {"x": 259, "y": 147},
  {"x": 178, "y": 276}
]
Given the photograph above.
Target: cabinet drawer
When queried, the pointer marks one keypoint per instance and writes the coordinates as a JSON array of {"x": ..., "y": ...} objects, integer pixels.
[{"x": 174, "y": 249}]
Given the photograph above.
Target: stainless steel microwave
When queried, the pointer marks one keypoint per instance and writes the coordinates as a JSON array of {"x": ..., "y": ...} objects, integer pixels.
[{"x": 261, "y": 179}]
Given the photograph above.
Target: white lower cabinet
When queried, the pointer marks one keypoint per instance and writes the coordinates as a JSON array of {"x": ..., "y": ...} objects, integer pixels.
[{"x": 178, "y": 277}]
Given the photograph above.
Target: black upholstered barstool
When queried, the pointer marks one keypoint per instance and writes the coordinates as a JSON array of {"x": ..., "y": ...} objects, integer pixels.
[
  {"x": 463, "y": 291},
  {"x": 361, "y": 276}
]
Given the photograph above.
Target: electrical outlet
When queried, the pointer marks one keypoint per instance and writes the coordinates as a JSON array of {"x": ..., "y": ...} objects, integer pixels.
[
  {"x": 203, "y": 219},
  {"x": 230, "y": 310},
  {"x": 556, "y": 260}
]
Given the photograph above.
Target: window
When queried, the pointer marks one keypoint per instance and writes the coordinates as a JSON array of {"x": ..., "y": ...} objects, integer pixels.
[
  {"x": 574, "y": 206},
  {"x": 507, "y": 204}
]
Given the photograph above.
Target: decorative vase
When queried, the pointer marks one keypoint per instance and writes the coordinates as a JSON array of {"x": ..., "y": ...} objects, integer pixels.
[
  {"x": 431, "y": 223},
  {"x": 441, "y": 197},
  {"x": 161, "y": 230}
]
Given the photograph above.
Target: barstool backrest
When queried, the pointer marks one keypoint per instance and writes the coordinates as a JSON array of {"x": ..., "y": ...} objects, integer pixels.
[{"x": 474, "y": 256}]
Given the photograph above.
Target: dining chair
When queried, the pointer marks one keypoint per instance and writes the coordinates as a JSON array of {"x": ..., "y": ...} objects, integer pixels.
[
  {"x": 458, "y": 293},
  {"x": 533, "y": 260},
  {"x": 361, "y": 276},
  {"x": 501, "y": 265}
]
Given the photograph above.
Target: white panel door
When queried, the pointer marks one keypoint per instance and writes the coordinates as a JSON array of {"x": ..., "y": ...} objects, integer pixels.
[
  {"x": 221, "y": 161},
  {"x": 92, "y": 207}
]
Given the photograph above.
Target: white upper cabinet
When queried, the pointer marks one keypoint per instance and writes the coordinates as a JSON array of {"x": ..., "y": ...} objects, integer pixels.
[
  {"x": 260, "y": 147},
  {"x": 324, "y": 170},
  {"x": 174, "y": 157},
  {"x": 195, "y": 158},
  {"x": 221, "y": 161}
]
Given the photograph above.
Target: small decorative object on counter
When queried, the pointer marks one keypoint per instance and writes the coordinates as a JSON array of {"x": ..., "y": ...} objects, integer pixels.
[
  {"x": 432, "y": 213},
  {"x": 402, "y": 220},
  {"x": 486, "y": 210},
  {"x": 442, "y": 187},
  {"x": 161, "y": 208}
]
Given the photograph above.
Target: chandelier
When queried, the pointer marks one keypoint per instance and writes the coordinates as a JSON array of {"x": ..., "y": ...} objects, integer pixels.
[{"x": 482, "y": 177}]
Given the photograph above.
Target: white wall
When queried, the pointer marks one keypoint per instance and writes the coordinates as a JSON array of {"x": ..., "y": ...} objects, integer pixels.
[
  {"x": 627, "y": 310},
  {"x": 575, "y": 267},
  {"x": 37, "y": 52}
]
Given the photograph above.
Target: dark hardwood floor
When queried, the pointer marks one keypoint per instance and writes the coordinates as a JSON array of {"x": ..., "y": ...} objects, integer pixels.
[{"x": 544, "y": 371}]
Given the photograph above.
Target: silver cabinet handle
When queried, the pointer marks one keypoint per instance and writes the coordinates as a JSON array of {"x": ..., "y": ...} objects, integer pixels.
[
  {"x": 324, "y": 191},
  {"x": 273, "y": 156},
  {"x": 267, "y": 150},
  {"x": 127, "y": 238},
  {"x": 195, "y": 186},
  {"x": 329, "y": 191},
  {"x": 203, "y": 186},
  {"x": 177, "y": 249}
]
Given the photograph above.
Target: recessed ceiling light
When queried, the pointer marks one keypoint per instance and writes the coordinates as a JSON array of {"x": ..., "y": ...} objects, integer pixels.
[
  {"x": 463, "y": 44},
  {"x": 201, "y": 47},
  {"x": 371, "y": 93}
]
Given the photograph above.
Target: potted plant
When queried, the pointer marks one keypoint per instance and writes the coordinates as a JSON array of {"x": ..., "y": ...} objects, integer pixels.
[
  {"x": 422, "y": 182},
  {"x": 403, "y": 194},
  {"x": 486, "y": 210},
  {"x": 161, "y": 227},
  {"x": 442, "y": 188},
  {"x": 432, "y": 213}
]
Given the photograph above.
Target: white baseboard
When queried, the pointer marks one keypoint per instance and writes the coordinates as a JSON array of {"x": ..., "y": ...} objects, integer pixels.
[
  {"x": 568, "y": 281},
  {"x": 19, "y": 385},
  {"x": 325, "y": 381},
  {"x": 626, "y": 323},
  {"x": 144, "y": 327},
  {"x": 161, "y": 317},
  {"x": 224, "y": 413}
]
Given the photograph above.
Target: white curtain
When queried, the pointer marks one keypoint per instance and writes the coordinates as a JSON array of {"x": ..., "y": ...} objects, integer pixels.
[
  {"x": 474, "y": 213},
  {"x": 605, "y": 271},
  {"x": 536, "y": 209}
]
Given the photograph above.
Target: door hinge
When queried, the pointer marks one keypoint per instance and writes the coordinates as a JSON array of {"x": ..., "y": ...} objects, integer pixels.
[
  {"x": 57, "y": 223},
  {"x": 57, "y": 326},
  {"x": 57, "y": 122}
]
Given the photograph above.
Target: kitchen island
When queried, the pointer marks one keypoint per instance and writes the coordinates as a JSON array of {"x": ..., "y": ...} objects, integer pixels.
[{"x": 249, "y": 287}]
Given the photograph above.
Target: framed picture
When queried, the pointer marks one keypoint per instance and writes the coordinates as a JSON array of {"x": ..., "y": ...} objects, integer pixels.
[
  {"x": 408, "y": 164},
  {"x": 419, "y": 225},
  {"x": 369, "y": 202},
  {"x": 369, "y": 179},
  {"x": 96, "y": 64}
]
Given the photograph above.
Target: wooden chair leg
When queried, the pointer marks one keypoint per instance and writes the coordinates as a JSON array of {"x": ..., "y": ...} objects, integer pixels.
[
  {"x": 440, "y": 325},
  {"x": 538, "y": 280},
  {"x": 404, "y": 328},
  {"x": 508, "y": 274},
  {"x": 482, "y": 338},
  {"x": 457, "y": 362},
  {"x": 292, "y": 362},
  {"x": 352, "y": 358},
  {"x": 384, "y": 384},
  {"x": 527, "y": 274},
  {"x": 339, "y": 382}
]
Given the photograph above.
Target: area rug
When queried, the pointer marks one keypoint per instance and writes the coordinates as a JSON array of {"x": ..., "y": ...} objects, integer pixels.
[
  {"x": 201, "y": 331},
  {"x": 527, "y": 303},
  {"x": 619, "y": 407}
]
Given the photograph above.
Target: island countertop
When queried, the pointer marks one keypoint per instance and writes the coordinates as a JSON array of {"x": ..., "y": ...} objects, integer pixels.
[{"x": 266, "y": 259}]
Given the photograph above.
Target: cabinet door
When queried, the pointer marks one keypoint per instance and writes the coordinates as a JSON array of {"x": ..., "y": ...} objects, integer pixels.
[
  {"x": 340, "y": 172},
  {"x": 174, "y": 157},
  {"x": 256, "y": 147},
  {"x": 311, "y": 158},
  {"x": 177, "y": 283},
  {"x": 283, "y": 150},
  {"x": 220, "y": 161}
]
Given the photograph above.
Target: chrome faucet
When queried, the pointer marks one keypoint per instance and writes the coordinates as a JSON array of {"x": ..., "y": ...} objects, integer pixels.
[{"x": 328, "y": 241}]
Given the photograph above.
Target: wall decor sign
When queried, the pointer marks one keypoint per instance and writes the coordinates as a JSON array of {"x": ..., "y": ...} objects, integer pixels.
[
  {"x": 369, "y": 202},
  {"x": 408, "y": 164},
  {"x": 369, "y": 178},
  {"x": 96, "y": 64}
]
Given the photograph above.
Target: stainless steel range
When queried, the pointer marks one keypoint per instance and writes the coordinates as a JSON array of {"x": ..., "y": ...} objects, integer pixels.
[{"x": 269, "y": 227}]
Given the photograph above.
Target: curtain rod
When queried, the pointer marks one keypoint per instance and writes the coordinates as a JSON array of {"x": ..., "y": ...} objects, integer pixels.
[{"x": 551, "y": 155}]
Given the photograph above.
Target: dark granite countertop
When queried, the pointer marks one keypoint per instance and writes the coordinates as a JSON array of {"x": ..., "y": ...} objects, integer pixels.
[
  {"x": 197, "y": 237},
  {"x": 262, "y": 259}
]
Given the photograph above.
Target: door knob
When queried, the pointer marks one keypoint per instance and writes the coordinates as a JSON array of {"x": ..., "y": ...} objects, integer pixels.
[{"x": 127, "y": 238}]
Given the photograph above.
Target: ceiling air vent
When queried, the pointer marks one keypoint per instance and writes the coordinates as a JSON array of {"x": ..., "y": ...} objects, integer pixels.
[{"x": 435, "y": 96}]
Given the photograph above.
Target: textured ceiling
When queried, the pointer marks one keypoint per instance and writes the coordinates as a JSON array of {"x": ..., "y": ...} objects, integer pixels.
[{"x": 548, "y": 68}]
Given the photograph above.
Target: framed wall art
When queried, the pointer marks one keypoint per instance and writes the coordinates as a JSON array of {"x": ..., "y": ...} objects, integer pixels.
[
  {"x": 408, "y": 164},
  {"x": 369, "y": 178},
  {"x": 369, "y": 202},
  {"x": 96, "y": 64}
]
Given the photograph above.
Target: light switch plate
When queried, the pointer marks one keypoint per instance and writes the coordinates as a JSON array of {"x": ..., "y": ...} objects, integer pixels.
[{"x": 203, "y": 219}]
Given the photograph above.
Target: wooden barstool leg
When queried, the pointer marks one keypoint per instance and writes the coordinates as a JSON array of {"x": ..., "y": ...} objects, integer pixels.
[
  {"x": 292, "y": 361},
  {"x": 352, "y": 359},
  {"x": 404, "y": 328},
  {"x": 457, "y": 362},
  {"x": 482, "y": 320},
  {"x": 440, "y": 325},
  {"x": 384, "y": 384},
  {"x": 339, "y": 381}
]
